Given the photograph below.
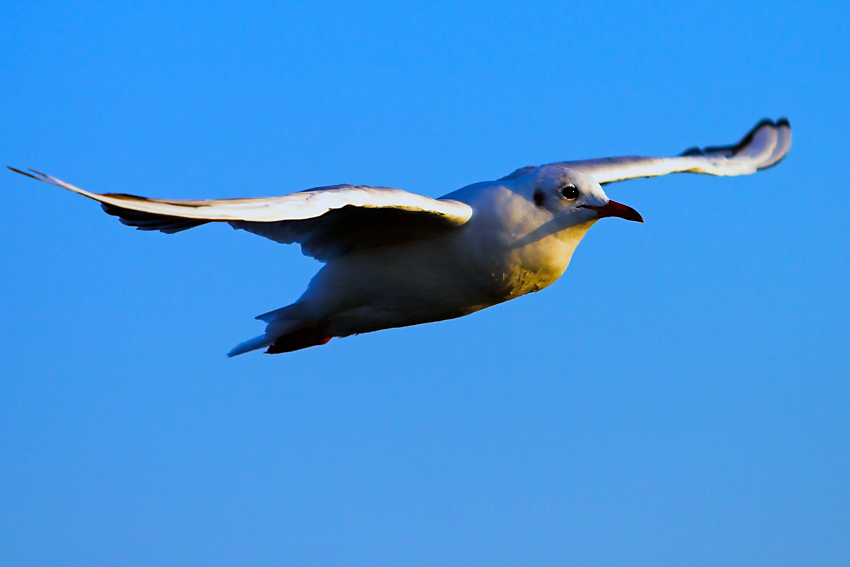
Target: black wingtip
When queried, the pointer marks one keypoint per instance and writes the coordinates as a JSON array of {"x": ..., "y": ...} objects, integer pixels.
[
  {"x": 751, "y": 134},
  {"x": 745, "y": 141},
  {"x": 16, "y": 170}
]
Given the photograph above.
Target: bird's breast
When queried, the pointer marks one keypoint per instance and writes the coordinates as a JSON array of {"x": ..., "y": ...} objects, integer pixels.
[
  {"x": 529, "y": 268},
  {"x": 526, "y": 261}
]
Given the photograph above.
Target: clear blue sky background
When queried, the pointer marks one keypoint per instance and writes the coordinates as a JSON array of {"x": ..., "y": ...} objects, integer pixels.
[{"x": 680, "y": 397}]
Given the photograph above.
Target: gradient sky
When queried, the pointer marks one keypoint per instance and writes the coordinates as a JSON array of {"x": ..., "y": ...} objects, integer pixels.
[{"x": 680, "y": 397}]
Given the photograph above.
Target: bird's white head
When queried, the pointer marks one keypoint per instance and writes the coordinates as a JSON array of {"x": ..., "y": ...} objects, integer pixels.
[
  {"x": 529, "y": 224},
  {"x": 572, "y": 196}
]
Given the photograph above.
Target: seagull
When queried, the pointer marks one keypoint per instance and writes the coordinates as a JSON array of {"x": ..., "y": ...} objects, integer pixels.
[{"x": 393, "y": 258}]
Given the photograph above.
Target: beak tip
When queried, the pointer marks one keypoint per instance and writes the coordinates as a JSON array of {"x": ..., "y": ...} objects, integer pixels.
[{"x": 615, "y": 209}]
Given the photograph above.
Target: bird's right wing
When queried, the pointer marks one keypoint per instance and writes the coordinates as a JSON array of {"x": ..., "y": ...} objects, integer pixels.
[
  {"x": 326, "y": 221},
  {"x": 763, "y": 146}
]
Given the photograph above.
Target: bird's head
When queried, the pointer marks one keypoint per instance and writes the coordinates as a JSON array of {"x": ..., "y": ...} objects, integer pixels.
[{"x": 573, "y": 197}]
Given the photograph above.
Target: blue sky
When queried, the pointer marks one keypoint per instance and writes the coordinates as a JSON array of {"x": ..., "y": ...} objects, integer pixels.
[{"x": 680, "y": 396}]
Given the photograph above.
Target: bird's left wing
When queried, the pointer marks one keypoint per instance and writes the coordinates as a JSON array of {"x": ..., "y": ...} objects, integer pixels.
[
  {"x": 326, "y": 221},
  {"x": 763, "y": 146}
]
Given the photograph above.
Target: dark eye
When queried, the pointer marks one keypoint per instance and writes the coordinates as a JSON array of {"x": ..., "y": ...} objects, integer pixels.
[{"x": 569, "y": 191}]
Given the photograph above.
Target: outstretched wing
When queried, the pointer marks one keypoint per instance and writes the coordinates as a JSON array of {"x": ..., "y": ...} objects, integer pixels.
[
  {"x": 764, "y": 146},
  {"x": 326, "y": 221}
]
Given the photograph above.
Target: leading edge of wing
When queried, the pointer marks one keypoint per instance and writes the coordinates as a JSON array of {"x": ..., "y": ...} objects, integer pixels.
[{"x": 302, "y": 205}]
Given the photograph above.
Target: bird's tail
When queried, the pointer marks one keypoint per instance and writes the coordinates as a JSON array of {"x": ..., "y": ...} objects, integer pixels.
[
  {"x": 285, "y": 332},
  {"x": 256, "y": 343}
]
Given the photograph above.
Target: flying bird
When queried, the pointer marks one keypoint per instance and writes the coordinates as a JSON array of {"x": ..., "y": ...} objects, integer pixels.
[{"x": 394, "y": 258}]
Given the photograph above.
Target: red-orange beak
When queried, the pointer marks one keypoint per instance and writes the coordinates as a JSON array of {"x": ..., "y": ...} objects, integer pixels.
[{"x": 615, "y": 209}]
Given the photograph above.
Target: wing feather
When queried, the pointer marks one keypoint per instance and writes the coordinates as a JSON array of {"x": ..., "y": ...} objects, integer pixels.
[
  {"x": 326, "y": 221},
  {"x": 764, "y": 146}
]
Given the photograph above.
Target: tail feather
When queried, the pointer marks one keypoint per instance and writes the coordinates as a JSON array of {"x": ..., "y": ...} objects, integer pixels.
[
  {"x": 285, "y": 332},
  {"x": 275, "y": 328},
  {"x": 256, "y": 343}
]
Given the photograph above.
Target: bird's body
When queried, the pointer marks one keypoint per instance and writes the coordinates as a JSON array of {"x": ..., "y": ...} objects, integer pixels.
[
  {"x": 394, "y": 259},
  {"x": 492, "y": 258}
]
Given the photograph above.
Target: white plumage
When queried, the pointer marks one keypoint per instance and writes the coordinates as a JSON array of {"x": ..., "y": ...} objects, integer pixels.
[{"x": 394, "y": 258}]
